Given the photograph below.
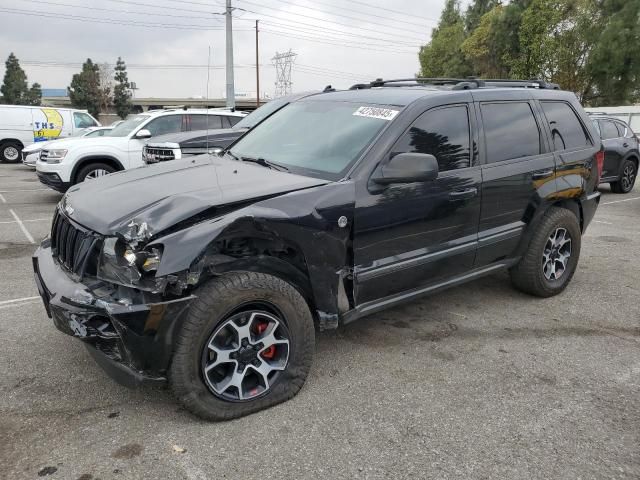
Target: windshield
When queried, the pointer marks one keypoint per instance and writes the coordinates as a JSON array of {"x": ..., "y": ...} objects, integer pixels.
[
  {"x": 261, "y": 113},
  {"x": 128, "y": 126},
  {"x": 318, "y": 138},
  {"x": 79, "y": 133}
]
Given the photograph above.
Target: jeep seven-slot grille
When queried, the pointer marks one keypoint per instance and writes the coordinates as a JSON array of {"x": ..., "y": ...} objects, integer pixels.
[{"x": 71, "y": 245}]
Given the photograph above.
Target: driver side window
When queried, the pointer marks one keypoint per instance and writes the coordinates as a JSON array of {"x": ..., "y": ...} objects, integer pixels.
[
  {"x": 443, "y": 133},
  {"x": 165, "y": 125}
]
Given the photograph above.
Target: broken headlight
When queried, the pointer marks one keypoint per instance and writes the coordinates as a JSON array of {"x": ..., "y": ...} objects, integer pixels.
[{"x": 123, "y": 265}]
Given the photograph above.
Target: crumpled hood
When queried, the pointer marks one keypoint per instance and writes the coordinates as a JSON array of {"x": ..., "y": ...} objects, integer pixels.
[{"x": 164, "y": 194}]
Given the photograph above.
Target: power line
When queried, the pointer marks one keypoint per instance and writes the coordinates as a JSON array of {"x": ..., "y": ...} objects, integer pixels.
[
  {"x": 164, "y": 7},
  {"x": 358, "y": 19},
  {"x": 368, "y": 5},
  {"x": 327, "y": 42},
  {"x": 350, "y": 36},
  {"x": 130, "y": 66},
  {"x": 107, "y": 21},
  {"x": 350, "y": 25},
  {"x": 129, "y": 12},
  {"x": 360, "y": 12}
]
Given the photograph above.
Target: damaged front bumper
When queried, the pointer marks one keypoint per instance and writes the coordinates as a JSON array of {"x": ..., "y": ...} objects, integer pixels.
[{"x": 132, "y": 342}]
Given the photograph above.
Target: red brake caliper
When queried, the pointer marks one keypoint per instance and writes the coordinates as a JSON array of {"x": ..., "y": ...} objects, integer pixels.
[{"x": 270, "y": 352}]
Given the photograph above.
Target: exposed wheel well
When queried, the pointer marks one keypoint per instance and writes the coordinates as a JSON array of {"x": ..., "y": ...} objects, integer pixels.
[
  {"x": 11, "y": 140},
  {"x": 264, "y": 255},
  {"x": 112, "y": 162},
  {"x": 573, "y": 206}
]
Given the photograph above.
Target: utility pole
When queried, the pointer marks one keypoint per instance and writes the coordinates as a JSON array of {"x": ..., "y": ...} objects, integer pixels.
[
  {"x": 257, "y": 70},
  {"x": 231, "y": 94}
]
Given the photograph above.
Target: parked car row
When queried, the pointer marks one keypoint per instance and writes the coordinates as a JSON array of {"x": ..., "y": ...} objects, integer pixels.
[{"x": 211, "y": 274}]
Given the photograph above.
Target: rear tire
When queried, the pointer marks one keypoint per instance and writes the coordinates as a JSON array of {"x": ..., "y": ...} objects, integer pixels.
[
  {"x": 627, "y": 178},
  {"x": 197, "y": 350},
  {"x": 93, "y": 171},
  {"x": 552, "y": 256},
  {"x": 11, "y": 152}
]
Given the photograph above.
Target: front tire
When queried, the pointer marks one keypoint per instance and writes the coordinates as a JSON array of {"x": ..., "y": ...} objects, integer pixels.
[
  {"x": 551, "y": 258},
  {"x": 246, "y": 344},
  {"x": 10, "y": 152},
  {"x": 627, "y": 178},
  {"x": 94, "y": 171}
]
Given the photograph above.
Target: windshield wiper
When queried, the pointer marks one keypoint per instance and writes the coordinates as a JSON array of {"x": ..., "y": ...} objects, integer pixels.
[
  {"x": 230, "y": 153},
  {"x": 265, "y": 163}
]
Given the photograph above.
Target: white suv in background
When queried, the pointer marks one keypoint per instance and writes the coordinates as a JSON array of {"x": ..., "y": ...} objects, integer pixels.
[{"x": 67, "y": 162}]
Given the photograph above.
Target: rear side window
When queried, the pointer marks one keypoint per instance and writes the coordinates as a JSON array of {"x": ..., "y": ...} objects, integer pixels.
[
  {"x": 566, "y": 129},
  {"x": 233, "y": 120},
  {"x": 199, "y": 122},
  {"x": 443, "y": 133},
  {"x": 608, "y": 130},
  {"x": 165, "y": 125},
  {"x": 510, "y": 131}
]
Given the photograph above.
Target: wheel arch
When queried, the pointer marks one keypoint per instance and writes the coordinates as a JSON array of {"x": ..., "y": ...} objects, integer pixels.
[
  {"x": 571, "y": 204},
  {"x": 260, "y": 254},
  {"x": 84, "y": 161},
  {"x": 11, "y": 140}
]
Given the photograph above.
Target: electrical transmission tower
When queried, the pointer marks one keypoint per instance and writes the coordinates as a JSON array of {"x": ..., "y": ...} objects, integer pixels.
[{"x": 283, "y": 63}]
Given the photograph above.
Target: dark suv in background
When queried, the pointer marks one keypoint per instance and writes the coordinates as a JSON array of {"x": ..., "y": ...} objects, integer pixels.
[
  {"x": 621, "y": 153},
  {"x": 179, "y": 145},
  {"x": 213, "y": 273}
]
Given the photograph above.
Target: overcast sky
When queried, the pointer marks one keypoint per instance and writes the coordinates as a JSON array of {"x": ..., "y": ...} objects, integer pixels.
[{"x": 337, "y": 42}]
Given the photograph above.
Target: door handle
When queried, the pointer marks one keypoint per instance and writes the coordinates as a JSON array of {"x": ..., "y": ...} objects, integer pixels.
[
  {"x": 540, "y": 174},
  {"x": 463, "y": 194},
  {"x": 625, "y": 145}
]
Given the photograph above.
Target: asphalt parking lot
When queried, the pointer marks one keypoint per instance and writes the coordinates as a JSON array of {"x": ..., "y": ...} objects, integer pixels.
[{"x": 477, "y": 382}]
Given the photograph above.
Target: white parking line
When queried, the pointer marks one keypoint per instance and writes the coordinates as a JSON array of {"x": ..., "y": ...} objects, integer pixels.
[
  {"x": 600, "y": 221},
  {"x": 18, "y": 300},
  {"x": 22, "y": 226},
  {"x": 620, "y": 201},
  {"x": 4, "y": 200},
  {"x": 27, "y": 221},
  {"x": 29, "y": 190}
]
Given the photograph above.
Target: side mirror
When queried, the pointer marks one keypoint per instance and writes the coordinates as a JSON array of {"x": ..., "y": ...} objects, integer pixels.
[
  {"x": 144, "y": 133},
  {"x": 408, "y": 168}
]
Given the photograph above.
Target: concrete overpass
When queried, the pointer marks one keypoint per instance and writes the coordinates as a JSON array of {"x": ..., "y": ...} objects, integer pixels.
[{"x": 144, "y": 104}]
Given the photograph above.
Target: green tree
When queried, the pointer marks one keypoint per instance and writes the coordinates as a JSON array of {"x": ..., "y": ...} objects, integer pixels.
[
  {"x": 122, "y": 90},
  {"x": 84, "y": 90},
  {"x": 614, "y": 63},
  {"x": 34, "y": 95},
  {"x": 14, "y": 87},
  {"x": 476, "y": 10},
  {"x": 483, "y": 50},
  {"x": 443, "y": 56}
]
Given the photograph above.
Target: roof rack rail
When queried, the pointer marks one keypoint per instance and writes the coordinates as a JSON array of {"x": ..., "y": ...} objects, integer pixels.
[{"x": 457, "y": 83}]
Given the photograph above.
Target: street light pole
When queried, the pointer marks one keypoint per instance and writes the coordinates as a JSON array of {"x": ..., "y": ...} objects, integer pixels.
[{"x": 231, "y": 95}]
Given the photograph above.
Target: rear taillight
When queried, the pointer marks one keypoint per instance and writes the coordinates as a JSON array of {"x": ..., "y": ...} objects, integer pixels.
[{"x": 600, "y": 162}]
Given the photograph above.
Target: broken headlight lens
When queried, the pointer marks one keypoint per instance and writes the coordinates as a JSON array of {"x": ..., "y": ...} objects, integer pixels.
[{"x": 122, "y": 265}]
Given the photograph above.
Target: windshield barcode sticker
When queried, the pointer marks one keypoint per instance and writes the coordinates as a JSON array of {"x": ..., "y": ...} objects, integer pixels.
[{"x": 376, "y": 112}]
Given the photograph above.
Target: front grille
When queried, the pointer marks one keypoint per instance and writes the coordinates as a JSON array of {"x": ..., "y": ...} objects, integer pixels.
[
  {"x": 72, "y": 245},
  {"x": 156, "y": 154}
]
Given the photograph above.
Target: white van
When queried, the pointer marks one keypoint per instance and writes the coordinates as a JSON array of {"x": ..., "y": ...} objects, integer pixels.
[{"x": 23, "y": 125}]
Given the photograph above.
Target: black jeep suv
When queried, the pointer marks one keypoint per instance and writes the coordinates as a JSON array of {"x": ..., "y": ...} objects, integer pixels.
[
  {"x": 621, "y": 153},
  {"x": 212, "y": 272}
]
